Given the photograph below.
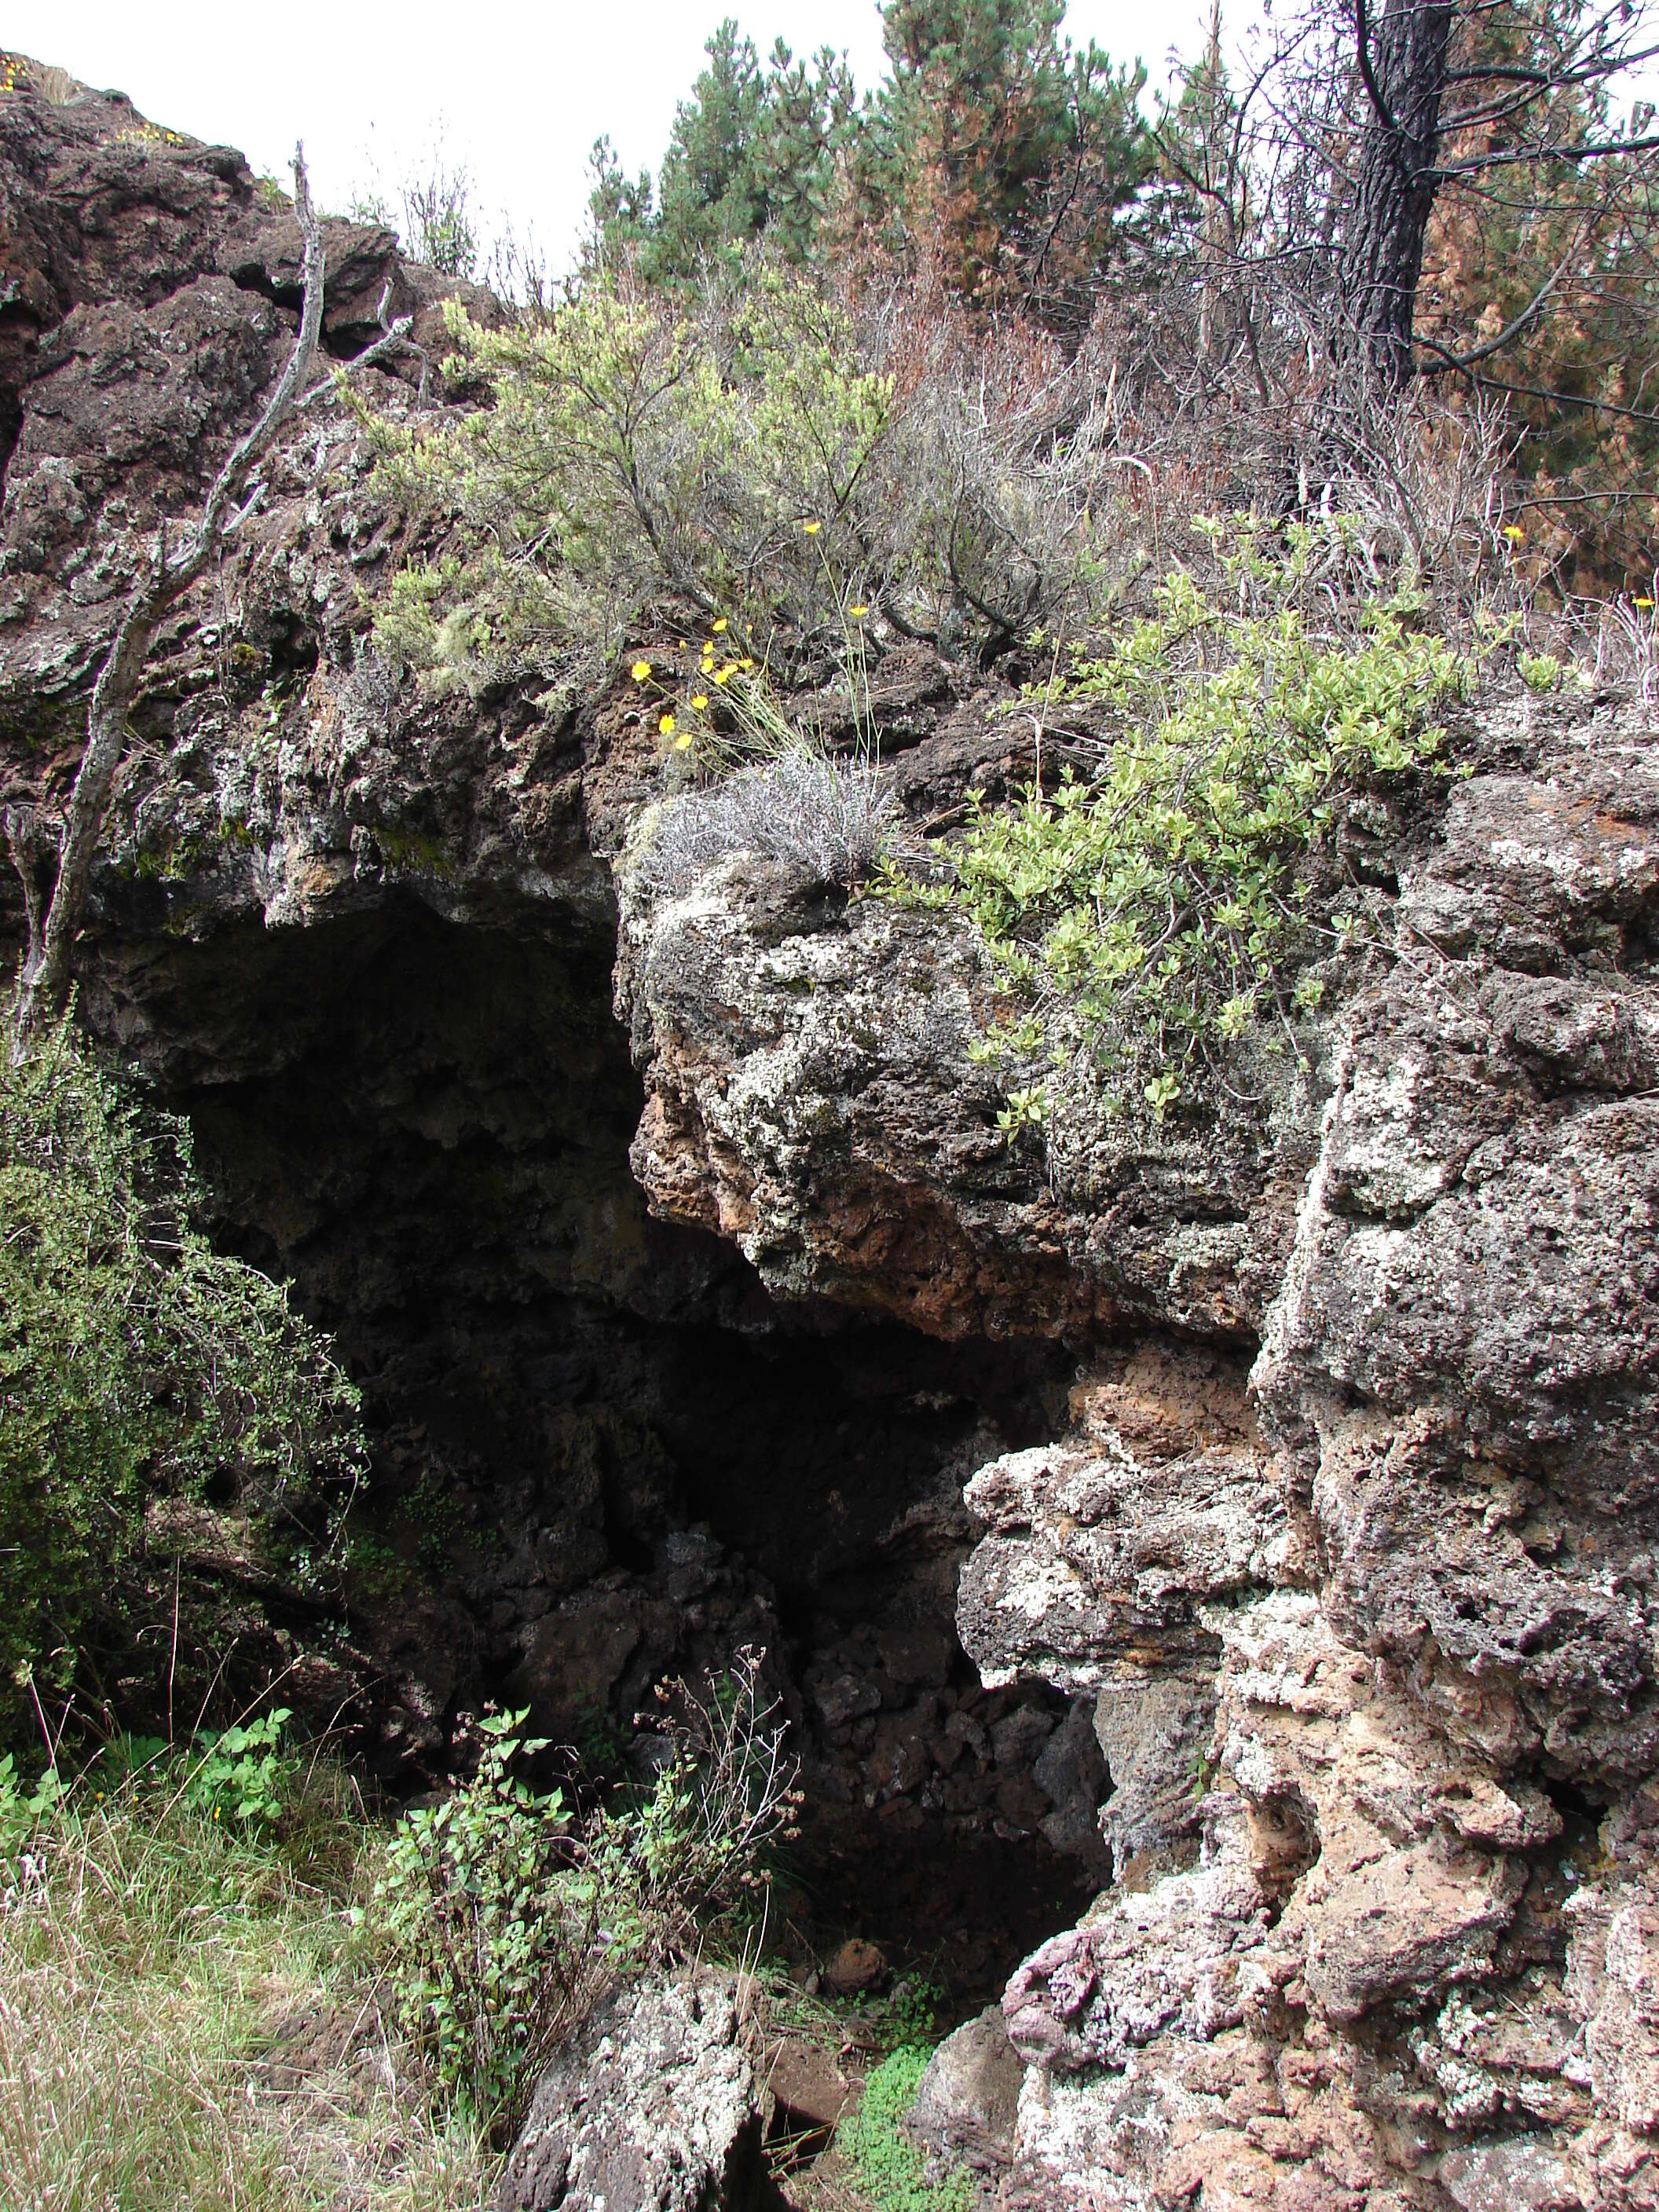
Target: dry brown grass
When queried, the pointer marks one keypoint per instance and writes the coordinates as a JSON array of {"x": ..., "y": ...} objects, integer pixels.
[{"x": 184, "y": 2024}]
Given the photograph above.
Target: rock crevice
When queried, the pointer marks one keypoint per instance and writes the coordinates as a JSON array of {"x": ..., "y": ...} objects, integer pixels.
[{"x": 698, "y": 1299}]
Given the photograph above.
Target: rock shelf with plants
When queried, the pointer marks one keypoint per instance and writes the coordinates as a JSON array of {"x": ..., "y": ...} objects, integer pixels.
[{"x": 825, "y": 1077}]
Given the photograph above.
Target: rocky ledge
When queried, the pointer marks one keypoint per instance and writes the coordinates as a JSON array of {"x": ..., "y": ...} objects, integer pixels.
[{"x": 1341, "y": 1550}]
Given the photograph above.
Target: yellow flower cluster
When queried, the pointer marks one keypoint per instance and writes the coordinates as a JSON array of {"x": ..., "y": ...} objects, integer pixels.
[{"x": 643, "y": 671}]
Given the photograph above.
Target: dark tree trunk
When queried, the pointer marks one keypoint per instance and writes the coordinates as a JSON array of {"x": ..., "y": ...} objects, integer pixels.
[{"x": 1403, "y": 61}]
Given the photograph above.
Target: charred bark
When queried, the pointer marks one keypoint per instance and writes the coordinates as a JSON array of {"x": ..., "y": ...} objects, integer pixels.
[{"x": 1402, "y": 63}]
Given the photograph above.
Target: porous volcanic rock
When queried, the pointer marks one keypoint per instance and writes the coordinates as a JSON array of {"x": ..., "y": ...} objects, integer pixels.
[
  {"x": 1345, "y": 1551},
  {"x": 1401, "y": 1671},
  {"x": 653, "y": 2108}
]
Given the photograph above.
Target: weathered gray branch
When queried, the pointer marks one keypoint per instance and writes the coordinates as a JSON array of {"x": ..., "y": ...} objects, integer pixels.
[{"x": 53, "y": 925}]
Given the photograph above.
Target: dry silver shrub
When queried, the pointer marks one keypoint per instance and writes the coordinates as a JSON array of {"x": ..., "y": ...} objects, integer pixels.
[
  {"x": 1002, "y": 450},
  {"x": 1615, "y": 643},
  {"x": 832, "y": 818},
  {"x": 1428, "y": 480}
]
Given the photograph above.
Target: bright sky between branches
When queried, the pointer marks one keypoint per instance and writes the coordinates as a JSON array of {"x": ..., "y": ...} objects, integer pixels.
[{"x": 519, "y": 94}]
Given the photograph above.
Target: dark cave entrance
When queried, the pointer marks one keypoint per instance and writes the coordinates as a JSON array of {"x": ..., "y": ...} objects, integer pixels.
[{"x": 602, "y": 1453}]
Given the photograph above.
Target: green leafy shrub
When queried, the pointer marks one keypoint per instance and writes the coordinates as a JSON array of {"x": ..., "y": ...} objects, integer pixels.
[
  {"x": 764, "y": 451},
  {"x": 133, "y": 1357},
  {"x": 487, "y": 1919},
  {"x": 498, "y": 1910},
  {"x": 241, "y": 1773},
  {"x": 25, "y": 1806},
  {"x": 1159, "y": 903},
  {"x": 891, "y": 2166}
]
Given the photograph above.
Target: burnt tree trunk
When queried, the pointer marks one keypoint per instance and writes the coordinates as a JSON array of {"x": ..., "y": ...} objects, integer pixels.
[{"x": 1402, "y": 62}]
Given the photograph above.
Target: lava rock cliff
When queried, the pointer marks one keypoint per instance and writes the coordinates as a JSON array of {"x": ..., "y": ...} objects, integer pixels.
[{"x": 1332, "y": 1583}]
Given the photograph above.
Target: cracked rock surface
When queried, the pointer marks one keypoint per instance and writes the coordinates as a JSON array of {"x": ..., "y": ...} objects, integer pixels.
[{"x": 1323, "y": 1610}]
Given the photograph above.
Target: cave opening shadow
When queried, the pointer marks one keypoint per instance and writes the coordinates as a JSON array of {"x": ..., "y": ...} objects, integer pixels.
[{"x": 600, "y": 1450}]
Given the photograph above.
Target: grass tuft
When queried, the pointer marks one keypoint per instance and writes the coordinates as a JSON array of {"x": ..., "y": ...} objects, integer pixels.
[{"x": 185, "y": 2025}]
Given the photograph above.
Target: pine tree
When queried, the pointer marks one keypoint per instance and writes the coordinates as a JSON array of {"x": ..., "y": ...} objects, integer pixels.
[
  {"x": 752, "y": 151},
  {"x": 992, "y": 136},
  {"x": 618, "y": 210},
  {"x": 804, "y": 119},
  {"x": 708, "y": 192}
]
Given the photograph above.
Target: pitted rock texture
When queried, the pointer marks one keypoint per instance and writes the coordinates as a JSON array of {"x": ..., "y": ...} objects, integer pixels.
[
  {"x": 1360, "y": 1663},
  {"x": 810, "y": 1096},
  {"x": 1401, "y": 1675},
  {"x": 655, "y": 2108}
]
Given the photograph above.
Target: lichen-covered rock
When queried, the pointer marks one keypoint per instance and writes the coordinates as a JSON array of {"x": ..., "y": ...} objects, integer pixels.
[
  {"x": 1368, "y": 1655},
  {"x": 810, "y": 1096},
  {"x": 655, "y": 2108},
  {"x": 968, "y": 2099},
  {"x": 1412, "y": 1962}
]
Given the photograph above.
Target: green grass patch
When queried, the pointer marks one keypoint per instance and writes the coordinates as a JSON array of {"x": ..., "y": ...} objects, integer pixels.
[{"x": 152, "y": 1952}]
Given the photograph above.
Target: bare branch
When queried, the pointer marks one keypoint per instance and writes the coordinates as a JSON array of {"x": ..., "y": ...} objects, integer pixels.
[{"x": 47, "y": 965}]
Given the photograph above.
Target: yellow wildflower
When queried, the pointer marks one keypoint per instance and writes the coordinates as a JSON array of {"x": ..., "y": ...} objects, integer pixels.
[
  {"x": 1641, "y": 602},
  {"x": 725, "y": 675},
  {"x": 1513, "y": 532},
  {"x": 745, "y": 666},
  {"x": 718, "y": 625},
  {"x": 639, "y": 670},
  {"x": 812, "y": 528},
  {"x": 858, "y": 613},
  {"x": 667, "y": 726},
  {"x": 700, "y": 703},
  {"x": 682, "y": 744}
]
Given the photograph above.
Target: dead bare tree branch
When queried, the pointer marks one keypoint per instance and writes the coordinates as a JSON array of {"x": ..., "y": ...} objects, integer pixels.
[{"x": 54, "y": 918}]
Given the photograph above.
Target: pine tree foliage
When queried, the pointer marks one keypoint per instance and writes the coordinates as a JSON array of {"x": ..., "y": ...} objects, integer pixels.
[
  {"x": 753, "y": 149},
  {"x": 994, "y": 142},
  {"x": 993, "y": 145}
]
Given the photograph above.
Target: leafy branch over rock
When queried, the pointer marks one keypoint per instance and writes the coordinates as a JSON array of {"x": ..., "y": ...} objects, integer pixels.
[
  {"x": 1160, "y": 902},
  {"x": 133, "y": 1358}
]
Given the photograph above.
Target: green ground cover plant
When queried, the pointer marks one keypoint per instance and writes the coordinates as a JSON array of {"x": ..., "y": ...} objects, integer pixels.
[
  {"x": 891, "y": 2170},
  {"x": 156, "y": 1962},
  {"x": 225, "y": 1982}
]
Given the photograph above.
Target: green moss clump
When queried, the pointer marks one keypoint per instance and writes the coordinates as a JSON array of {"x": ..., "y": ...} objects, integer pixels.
[{"x": 892, "y": 2168}]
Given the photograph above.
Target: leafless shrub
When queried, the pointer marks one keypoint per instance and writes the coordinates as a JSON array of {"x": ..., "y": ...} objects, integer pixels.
[
  {"x": 432, "y": 210},
  {"x": 1295, "y": 425},
  {"x": 725, "y": 1797},
  {"x": 1615, "y": 643},
  {"x": 1429, "y": 482},
  {"x": 830, "y": 816},
  {"x": 988, "y": 499}
]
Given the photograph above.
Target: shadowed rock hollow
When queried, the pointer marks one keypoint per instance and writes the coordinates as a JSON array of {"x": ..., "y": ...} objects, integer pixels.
[{"x": 1277, "y": 1485}]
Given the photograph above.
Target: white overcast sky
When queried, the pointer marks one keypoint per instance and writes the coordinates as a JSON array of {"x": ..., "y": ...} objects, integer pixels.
[{"x": 520, "y": 92}]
